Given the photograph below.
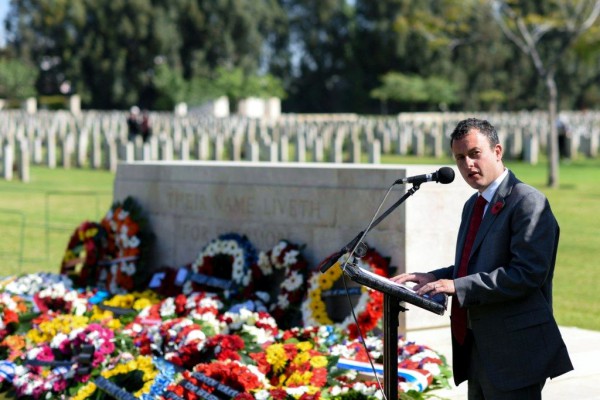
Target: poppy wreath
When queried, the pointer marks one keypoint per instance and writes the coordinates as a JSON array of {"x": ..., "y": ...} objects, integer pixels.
[
  {"x": 128, "y": 242},
  {"x": 369, "y": 308},
  {"x": 224, "y": 266},
  {"x": 84, "y": 251},
  {"x": 280, "y": 280}
]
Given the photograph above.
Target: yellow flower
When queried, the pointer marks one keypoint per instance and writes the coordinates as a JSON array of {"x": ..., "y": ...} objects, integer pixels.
[
  {"x": 36, "y": 336},
  {"x": 99, "y": 314},
  {"x": 317, "y": 307},
  {"x": 91, "y": 232},
  {"x": 121, "y": 301},
  {"x": 85, "y": 392},
  {"x": 276, "y": 356},
  {"x": 114, "y": 324},
  {"x": 301, "y": 358},
  {"x": 118, "y": 370},
  {"x": 322, "y": 318},
  {"x": 140, "y": 304},
  {"x": 318, "y": 361},
  {"x": 325, "y": 282},
  {"x": 299, "y": 378},
  {"x": 69, "y": 255},
  {"x": 304, "y": 346}
]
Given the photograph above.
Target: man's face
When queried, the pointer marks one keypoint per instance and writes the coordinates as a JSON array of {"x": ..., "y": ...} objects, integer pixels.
[{"x": 478, "y": 163}]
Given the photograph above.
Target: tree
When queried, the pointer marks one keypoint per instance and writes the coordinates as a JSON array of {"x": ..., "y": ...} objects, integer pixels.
[
  {"x": 320, "y": 35},
  {"x": 414, "y": 90},
  {"x": 17, "y": 80},
  {"x": 545, "y": 31}
]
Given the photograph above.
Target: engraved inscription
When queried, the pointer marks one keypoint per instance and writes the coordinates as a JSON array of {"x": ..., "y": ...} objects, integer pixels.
[
  {"x": 294, "y": 208},
  {"x": 235, "y": 204},
  {"x": 281, "y": 208},
  {"x": 187, "y": 201}
]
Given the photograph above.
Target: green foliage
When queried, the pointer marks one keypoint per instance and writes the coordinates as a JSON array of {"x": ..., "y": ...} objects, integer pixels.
[
  {"x": 415, "y": 89},
  {"x": 201, "y": 90},
  {"x": 233, "y": 83},
  {"x": 326, "y": 56},
  {"x": 170, "y": 87},
  {"x": 17, "y": 80}
]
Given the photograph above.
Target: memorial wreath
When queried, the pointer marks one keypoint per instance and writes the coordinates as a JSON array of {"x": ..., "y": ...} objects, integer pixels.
[
  {"x": 369, "y": 308},
  {"x": 224, "y": 265}
]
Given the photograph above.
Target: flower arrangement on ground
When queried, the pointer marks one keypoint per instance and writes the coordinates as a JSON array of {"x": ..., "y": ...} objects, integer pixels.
[{"x": 212, "y": 341}]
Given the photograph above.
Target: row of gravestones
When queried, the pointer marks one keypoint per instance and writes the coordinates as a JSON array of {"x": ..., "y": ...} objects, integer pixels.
[{"x": 100, "y": 139}]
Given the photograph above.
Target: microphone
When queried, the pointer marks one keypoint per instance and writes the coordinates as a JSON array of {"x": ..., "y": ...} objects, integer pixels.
[{"x": 443, "y": 175}]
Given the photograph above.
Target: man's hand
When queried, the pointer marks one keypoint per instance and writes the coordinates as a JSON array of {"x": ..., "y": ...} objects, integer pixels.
[
  {"x": 419, "y": 278},
  {"x": 426, "y": 283}
]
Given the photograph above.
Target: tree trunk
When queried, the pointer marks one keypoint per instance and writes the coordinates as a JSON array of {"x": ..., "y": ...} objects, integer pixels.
[{"x": 553, "y": 157}]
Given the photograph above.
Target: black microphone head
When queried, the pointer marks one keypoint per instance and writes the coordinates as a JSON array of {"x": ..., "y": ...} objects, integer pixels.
[{"x": 445, "y": 175}]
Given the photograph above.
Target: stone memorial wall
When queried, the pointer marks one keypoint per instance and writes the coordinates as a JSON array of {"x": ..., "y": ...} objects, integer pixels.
[{"x": 322, "y": 206}]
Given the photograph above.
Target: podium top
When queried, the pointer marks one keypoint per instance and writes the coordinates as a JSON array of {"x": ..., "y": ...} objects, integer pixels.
[{"x": 436, "y": 304}]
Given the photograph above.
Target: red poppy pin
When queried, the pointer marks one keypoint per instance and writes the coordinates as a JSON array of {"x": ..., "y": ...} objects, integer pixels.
[{"x": 497, "y": 207}]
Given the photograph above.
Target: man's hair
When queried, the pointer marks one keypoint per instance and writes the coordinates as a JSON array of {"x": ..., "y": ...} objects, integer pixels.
[{"x": 466, "y": 125}]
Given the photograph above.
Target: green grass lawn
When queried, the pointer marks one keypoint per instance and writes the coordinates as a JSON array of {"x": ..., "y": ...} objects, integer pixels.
[{"x": 37, "y": 219}]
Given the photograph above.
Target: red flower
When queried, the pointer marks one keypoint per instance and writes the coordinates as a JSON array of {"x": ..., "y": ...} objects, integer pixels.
[{"x": 497, "y": 207}]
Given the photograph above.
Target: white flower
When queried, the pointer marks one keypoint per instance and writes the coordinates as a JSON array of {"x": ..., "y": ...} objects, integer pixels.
[
  {"x": 291, "y": 257},
  {"x": 264, "y": 264},
  {"x": 262, "y": 395},
  {"x": 128, "y": 268},
  {"x": 293, "y": 282},
  {"x": 260, "y": 335},
  {"x": 296, "y": 391},
  {"x": 238, "y": 270},
  {"x": 342, "y": 351},
  {"x": 167, "y": 308},
  {"x": 194, "y": 335},
  {"x": 134, "y": 242}
]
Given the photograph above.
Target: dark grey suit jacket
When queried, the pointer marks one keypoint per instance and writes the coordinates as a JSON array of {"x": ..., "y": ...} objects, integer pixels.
[{"x": 508, "y": 289}]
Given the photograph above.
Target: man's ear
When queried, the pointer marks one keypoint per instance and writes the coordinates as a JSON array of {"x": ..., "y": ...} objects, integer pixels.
[{"x": 499, "y": 151}]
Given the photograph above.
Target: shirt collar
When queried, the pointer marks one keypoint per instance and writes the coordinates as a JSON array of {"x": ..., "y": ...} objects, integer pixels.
[{"x": 490, "y": 191}]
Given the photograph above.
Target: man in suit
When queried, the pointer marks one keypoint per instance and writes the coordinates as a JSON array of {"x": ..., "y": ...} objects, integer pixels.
[{"x": 505, "y": 340}]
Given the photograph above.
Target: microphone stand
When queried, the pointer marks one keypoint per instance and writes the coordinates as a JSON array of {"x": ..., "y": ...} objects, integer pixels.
[{"x": 391, "y": 304}]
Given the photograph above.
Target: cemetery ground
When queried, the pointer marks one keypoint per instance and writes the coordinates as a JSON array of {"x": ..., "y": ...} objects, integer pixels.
[{"x": 37, "y": 219}]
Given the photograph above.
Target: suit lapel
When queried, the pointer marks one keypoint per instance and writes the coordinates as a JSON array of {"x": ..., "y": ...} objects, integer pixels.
[{"x": 489, "y": 217}]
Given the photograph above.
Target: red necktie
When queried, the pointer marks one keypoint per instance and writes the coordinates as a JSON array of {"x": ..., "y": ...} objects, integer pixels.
[{"x": 459, "y": 315}]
